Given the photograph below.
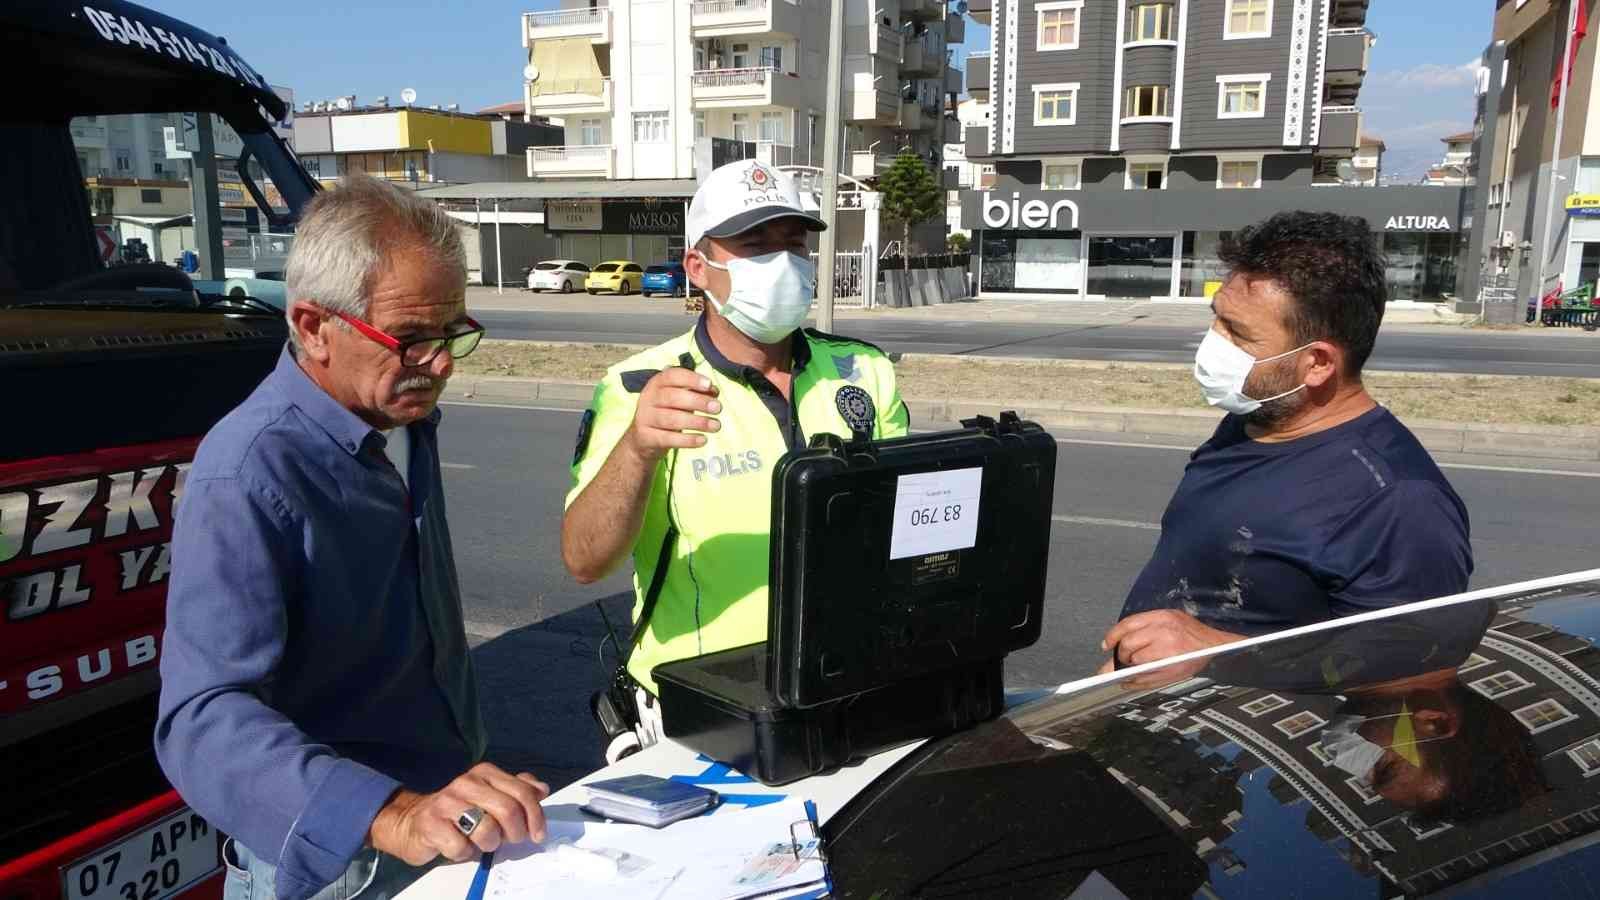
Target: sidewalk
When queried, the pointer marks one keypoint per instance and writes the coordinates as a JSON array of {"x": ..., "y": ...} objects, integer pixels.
[{"x": 1061, "y": 312}]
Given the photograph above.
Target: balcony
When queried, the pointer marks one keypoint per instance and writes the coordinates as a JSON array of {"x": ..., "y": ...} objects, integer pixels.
[
  {"x": 869, "y": 105},
  {"x": 977, "y": 142},
  {"x": 87, "y": 135},
  {"x": 923, "y": 56},
  {"x": 952, "y": 80},
  {"x": 593, "y": 23},
  {"x": 595, "y": 161},
  {"x": 952, "y": 130},
  {"x": 912, "y": 116},
  {"x": 981, "y": 11},
  {"x": 1349, "y": 52},
  {"x": 955, "y": 30},
  {"x": 978, "y": 75},
  {"x": 869, "y": 163},
  {"x": 565, "y": 98},
  {"x": 950, "y": 179},
  {"x": 927, "y": 10},
  {"x": 1340, "y": 128},
  {"x": 720, "y": 18},
  {"x": 887, "y": 44},
  {"x": 754, "y": 86}
]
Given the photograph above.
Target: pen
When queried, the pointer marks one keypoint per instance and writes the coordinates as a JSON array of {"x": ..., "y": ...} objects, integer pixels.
[{"x": 480, "y": 878}]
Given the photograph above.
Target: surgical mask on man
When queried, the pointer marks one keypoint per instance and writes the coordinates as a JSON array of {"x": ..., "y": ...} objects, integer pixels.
[
  {"x": 1221, "y": 368},
  {"x": 1356, "y": 756},
  {"x": 770, "y": 294}
]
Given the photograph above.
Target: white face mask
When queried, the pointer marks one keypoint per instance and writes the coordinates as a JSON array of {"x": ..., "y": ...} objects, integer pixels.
[
  {"x": 1221, "y": 368},
  {"x": 770, "y": 294},
  {"x": 1356, "y": 756}
]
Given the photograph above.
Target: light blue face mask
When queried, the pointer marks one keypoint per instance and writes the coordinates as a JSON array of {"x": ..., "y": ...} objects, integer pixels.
[{"x": 770, "y": 294}]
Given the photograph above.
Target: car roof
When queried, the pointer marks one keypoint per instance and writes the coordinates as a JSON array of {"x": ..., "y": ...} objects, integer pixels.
[{"x": 1211, "y": 773}]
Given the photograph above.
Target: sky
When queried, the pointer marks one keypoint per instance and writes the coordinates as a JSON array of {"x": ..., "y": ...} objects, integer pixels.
[{"x": 1419, "y": 88}]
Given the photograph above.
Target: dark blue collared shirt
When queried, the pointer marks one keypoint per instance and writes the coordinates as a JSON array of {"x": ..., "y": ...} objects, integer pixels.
[{"x": 315, "y": 657}]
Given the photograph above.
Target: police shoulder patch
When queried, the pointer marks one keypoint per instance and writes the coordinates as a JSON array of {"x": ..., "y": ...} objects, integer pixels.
[
  {"x": 856, "y": 408},
  {"x": 585, "y": 428}
]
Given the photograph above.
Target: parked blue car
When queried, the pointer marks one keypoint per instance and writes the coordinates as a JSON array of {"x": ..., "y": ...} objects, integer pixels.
[{"x": 664, "y": 278}]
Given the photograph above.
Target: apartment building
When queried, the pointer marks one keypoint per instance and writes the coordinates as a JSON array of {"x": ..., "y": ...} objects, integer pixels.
[
  {"x": 1368, "y": 160},
  {"x": 1129, "y": 137},
  {"x": 413, "y": 145},
  {"x": 639, "y": 85},
  {"x": 1514, "y": 138}
]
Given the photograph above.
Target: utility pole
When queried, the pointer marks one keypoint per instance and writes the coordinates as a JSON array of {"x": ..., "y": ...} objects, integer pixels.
[
  {"x": 1544, "y": 250},
  {"x": 828, "y": 245}
]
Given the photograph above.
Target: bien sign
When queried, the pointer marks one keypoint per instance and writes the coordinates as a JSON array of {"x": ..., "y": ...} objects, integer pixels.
[{"x": 1033, "y": 214}]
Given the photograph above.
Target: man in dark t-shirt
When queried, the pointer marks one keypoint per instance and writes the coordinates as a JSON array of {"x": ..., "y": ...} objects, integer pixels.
[{"x": 1310, "y": 501}]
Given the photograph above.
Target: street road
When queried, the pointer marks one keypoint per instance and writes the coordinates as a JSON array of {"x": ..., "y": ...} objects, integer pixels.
[
  {"x": 538, "y": 638},
  {"x": 1412, "y": 350}
]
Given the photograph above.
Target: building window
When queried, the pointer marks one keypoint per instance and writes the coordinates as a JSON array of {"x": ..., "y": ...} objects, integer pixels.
[
  {"x": 1500, "y": 684},
  {"x": 741, "y": 56},
  {"x": 1262, "y": 705},
  {"x": 1061, "y": 176},
  {"x": 1149, "y": 175},
  {"x": 741, "y": 126},
  {"x": 590, "y": 132},
  {"x": 1147, "y": 101},
  {"x": 1242, "y": 96},
  {"x": 1321, "y": 753},
  {"x": 1587, "y": 756},
  {"x": 651, "y": 127},
  {"x": 1055, "y": 104},
  {"x": 1058, "y": 24},
  {"x": 150, "y": 195},
  {"x": 124, "y": 161},
  {"x": 1239, "y": 173},
  {"x": 1473, "y": 662},
  {"x": 1299, "y": 723},
  {"x": 1363, "y": 790},
  {"x": 699, "y": 125},
  {"x": 772, "y": 58},
  {"x": 771, "y": 128},
  {"x": 1247, "y": 19},
  {"x": 1152, "y": 22},
  {"x": 1543, "y": 716}
]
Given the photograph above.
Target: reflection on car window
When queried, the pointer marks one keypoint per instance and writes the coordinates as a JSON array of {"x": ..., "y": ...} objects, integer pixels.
[
  {"x": 546, "y": 266},
  {"x": 606, "y": 267}
]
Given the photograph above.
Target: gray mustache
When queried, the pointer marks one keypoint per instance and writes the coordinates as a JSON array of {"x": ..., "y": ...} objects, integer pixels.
[{"x": 413, "y": 383}]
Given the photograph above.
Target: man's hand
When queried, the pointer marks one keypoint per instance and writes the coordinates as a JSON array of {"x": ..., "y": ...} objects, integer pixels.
[
  {"x": 1149, "y": 636},
  {"x": 670, "y": 406},
  {"x": 418, "y": 827}
]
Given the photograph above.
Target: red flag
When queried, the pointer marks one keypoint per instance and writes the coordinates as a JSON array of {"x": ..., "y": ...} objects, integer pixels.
[{"x": 1579, "y": 30}]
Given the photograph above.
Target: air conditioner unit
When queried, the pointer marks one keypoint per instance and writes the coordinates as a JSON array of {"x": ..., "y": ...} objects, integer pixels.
[{"x": 1508, "y": 239}]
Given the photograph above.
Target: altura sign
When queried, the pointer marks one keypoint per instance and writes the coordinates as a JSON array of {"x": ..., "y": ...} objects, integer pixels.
[
  {"x": 998, "y": 213},
  {"x": 1418, "y": 223}
]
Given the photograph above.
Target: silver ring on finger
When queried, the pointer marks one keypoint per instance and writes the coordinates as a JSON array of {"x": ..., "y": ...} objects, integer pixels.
[{"x": 468, "y": 820}]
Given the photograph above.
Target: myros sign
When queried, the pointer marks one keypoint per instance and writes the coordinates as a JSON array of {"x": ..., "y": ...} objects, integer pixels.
[{"x": 1033, "y": 214}]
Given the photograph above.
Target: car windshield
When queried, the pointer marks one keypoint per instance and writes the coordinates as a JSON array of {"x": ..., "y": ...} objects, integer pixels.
[
  {"x": 657, "y": 270},
  {"x": 1445, "y": 747},
  {"x": 606, "y": 267},
  {"x": 547, "y": 266}
]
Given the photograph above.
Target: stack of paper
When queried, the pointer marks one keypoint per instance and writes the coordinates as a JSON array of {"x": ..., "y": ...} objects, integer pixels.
[{"x": 734, "y": 853}]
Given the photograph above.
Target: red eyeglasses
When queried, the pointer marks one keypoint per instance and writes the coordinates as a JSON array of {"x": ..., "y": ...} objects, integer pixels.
[{"x": 421, "y": 351}]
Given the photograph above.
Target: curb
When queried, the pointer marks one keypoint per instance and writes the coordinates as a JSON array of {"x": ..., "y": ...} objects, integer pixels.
[{"x": 1474, "y": 438}]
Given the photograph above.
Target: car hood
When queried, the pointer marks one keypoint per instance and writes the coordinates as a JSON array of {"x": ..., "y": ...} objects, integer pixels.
[{"x": 1224, "y": 775}]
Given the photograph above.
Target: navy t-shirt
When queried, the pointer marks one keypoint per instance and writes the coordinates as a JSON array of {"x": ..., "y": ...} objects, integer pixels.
[{"x": 1265, "y": 536}]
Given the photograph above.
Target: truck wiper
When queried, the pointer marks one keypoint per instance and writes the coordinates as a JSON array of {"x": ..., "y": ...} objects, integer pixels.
[{"x": 242, "y": 300}]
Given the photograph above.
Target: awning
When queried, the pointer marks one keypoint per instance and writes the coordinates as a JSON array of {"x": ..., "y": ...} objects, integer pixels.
[
  {"x": 636, "y": 189},
  {"x": 507, "y": 217},
  {"x": 567, "y": 66},
  {"x": 155, "y": 221}
]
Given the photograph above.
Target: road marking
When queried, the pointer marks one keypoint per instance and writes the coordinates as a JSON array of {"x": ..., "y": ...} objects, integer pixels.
[
  {"x": 1092, "y": 443},
  {"x": 1107, "y": 523},
  {"x": 486, "y": 630},
  {"x": 1516, "y": 470},
  {"x": 445, "y": 465}
]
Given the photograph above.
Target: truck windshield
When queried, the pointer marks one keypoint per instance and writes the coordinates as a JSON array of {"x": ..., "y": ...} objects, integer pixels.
[{"x": 117, "y": 210}]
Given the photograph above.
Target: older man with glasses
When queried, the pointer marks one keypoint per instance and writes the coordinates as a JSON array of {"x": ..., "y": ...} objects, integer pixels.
[{"x": 318, "y": 703}]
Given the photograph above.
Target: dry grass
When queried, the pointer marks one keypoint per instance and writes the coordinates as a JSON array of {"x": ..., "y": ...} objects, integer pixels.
[{"x": 1511, "y": 400}]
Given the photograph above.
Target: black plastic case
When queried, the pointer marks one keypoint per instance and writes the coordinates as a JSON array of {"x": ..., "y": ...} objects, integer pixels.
[{"x": 864, "y": 652}]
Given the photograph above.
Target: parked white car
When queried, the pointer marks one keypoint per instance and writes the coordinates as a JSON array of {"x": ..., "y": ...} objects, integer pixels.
[{"x": 564, "y": 275}]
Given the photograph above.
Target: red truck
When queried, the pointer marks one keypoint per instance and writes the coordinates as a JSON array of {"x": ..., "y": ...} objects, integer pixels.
[{"x": 111, "y": 374}]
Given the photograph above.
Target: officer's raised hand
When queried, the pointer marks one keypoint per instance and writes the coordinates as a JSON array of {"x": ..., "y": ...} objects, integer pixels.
[{"x": 673, "y": 406}]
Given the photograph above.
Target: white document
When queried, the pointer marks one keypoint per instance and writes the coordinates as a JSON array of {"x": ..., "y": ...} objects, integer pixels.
[
  {"x": 935, "y": 512},
  {"x": 728, "y": 854}
]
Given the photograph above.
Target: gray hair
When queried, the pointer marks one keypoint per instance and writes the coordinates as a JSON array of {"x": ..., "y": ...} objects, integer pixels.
[{"x": 350, "y": 231}]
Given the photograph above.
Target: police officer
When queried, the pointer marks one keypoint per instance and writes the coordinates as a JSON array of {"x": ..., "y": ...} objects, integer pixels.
[{"x": 675, "y": 454}]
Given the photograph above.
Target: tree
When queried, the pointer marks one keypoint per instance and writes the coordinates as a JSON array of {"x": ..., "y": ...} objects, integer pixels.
[
  {"x": 957, "y": 243},
  {"x": 910, "y": 194}
]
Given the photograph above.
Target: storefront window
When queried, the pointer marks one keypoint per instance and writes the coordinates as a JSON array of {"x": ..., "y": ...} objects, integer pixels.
[
  {"x": 1130, "y": 266},
  {"x": 1422, "y": 265},
  {"x": 1202, "y": 272},
  {"x": 1039, "y": 262}
]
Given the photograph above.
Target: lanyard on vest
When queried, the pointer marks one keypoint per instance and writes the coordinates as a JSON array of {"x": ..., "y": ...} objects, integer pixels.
[{"x": 669, "y": 543}]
